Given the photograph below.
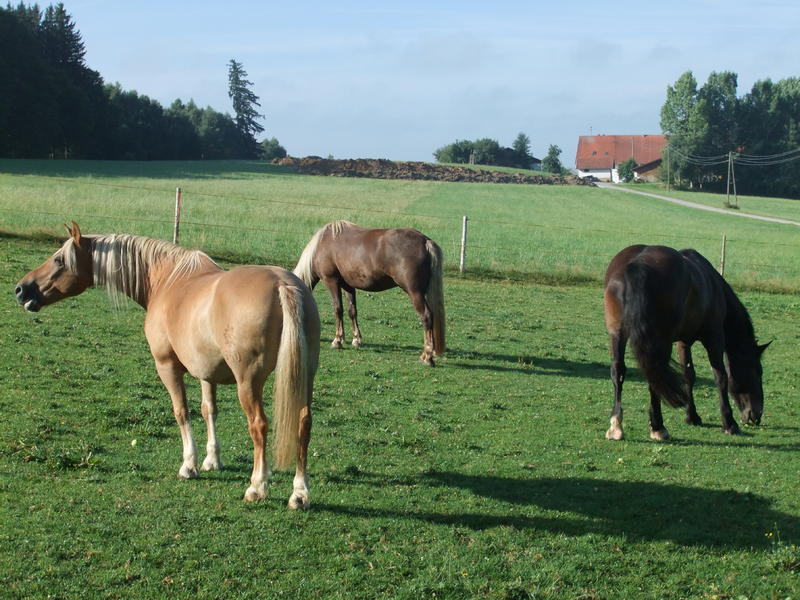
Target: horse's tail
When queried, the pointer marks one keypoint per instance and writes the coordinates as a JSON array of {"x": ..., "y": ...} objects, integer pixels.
[
  {"x": 434, "y": 296},
  {"x": 305, "y": 265},
  {"x": 651, "y": 346},
  {"x": 293, "y": 378}
]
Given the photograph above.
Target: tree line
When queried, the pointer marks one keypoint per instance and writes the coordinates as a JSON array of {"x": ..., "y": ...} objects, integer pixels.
[
  {"x": 53, "y": 105},
  {"x": 760, "y": 130}
]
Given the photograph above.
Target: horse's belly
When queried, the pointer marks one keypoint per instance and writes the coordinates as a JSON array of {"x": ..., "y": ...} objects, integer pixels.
[{"x": 211, "y": 371}]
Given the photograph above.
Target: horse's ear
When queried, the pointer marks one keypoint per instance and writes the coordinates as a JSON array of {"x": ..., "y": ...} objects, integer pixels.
[
  {"x": 74, "y": 232},
  {"x": 763, "y": 347}
]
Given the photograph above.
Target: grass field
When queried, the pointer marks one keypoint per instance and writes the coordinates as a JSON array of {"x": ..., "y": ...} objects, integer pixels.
[{"x": 486, "y": 477}]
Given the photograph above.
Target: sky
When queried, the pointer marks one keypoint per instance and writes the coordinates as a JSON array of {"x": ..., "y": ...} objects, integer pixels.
[{"x": 356, "y": 79}]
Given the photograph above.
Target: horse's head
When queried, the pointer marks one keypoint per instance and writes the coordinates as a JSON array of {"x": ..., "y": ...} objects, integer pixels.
[
  {"x": 68, "y": 272},
  {"x": 744, "y": 383}
]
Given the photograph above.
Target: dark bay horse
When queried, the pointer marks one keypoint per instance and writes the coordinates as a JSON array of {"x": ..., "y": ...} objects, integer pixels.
[
  {"x": 348, "y": 257},
  {"x": 220, "y": 326},
  {"x": 655, "y": 296}
]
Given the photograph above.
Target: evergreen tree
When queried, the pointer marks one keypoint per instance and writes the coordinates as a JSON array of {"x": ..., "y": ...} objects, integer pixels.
[
  {"x": 522, "y": 149},
  {"x": 244, "y": 107}
]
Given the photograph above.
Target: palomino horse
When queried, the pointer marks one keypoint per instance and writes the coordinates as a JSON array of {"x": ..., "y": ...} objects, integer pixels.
[
  {"x": 655, "y": 296},
  {"x": 348, "y": 257},
  {"x": 221, "y": 326}
]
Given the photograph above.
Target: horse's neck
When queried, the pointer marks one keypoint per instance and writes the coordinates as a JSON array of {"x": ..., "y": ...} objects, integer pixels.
[{"x": 739, "y": 334}]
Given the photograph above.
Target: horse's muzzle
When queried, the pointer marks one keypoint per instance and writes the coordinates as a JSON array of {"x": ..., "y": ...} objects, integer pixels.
[{"x": 29, "y": 296}]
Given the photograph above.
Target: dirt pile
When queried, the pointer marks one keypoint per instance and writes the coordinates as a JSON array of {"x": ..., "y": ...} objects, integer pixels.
[{"x": 387, "y": 169}]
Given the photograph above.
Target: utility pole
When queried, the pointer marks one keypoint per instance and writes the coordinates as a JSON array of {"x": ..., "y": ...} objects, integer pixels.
[{"x": 728, "y": 185}]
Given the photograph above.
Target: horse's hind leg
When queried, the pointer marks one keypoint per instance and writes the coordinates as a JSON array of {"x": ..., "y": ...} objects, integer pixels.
[
  {"x": 352, "y": 312},
  {"x": 250, "y": 397},
  {"x": 689, "y": 377},
  {"x": 172, "y": 377},
  {"x": 208, "y": 407},
  {"x": 425, "y": 315},
  {"x": 618, "y": 371},
  {"x": 300, "y": 497},
  {"x": 338, "y": 312}
]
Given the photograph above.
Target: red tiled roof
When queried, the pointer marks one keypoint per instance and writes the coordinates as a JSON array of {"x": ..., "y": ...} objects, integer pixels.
[{"x": 608, "y": 151}]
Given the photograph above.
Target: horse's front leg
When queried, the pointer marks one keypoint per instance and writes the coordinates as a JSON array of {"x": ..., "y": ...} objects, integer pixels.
[
  {"x": 715, "y": 354},
  {"x": 250, "y": 397},
  {"x": 338, "y": 312},
  {"x": 352, "y": 312},
  {"x": 301, "y": 497},
  {"x": 208, "y": 407},
  {"x": 618, "y": 371},
  {"x": 171, "y": 374},
  {"x": 689, "y": 377},
  {"x": 657, "y": 429}
]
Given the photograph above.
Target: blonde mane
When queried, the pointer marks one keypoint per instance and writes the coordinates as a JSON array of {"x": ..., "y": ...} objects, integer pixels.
[
  {"x": 305, "y": 265},
  {"x": 123, "y": 263}
]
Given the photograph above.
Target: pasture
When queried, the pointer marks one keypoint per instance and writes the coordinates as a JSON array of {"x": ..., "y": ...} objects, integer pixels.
[{"x": 485, "y": 477}]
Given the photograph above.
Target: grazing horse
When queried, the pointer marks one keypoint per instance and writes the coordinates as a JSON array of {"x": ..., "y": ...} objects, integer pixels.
[
  {"x": 348, "y": 257},
  {"x": 655, "y": 296},
  {"x": 220, "y": 326}
]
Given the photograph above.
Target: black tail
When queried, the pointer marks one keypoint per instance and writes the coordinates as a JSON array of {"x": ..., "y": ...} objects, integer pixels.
[{"x": 642, "y": 321}]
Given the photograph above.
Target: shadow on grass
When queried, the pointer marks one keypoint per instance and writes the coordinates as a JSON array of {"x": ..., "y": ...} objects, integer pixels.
[{"x": 642, "y": 511}]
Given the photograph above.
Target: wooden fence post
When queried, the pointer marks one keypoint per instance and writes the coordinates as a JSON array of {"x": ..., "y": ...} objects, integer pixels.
[
  {"x": 722, "y": 255},
  {"x": 176, "y": 229},
  {"x": 463, "y": 245}
]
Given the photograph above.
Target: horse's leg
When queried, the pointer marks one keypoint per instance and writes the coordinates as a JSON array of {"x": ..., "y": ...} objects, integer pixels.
[
  {"x": 618, "y": 371},
  {"x": 250, "y": 397},
  {"x": 426, "y": 317},
  {"x": 208, "y": 407},
  {"x": 336, "y": 296},
  {"x": 352, "y": 312},
  {"x": 300, "y": 495},
  {"x": 715, "y": 354},
  {"x": 172, "y": 377},
  {"x": 689, "y": 377},
  {"x": 657, "y": 429}
]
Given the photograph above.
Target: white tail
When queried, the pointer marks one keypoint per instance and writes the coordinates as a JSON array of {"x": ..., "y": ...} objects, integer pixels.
[{"x": 292, "y": 386}]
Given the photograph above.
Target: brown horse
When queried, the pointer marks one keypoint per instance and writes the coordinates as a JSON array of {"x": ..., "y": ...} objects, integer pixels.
[
  {"x": 220, "y": 326},
  {"x": 348, "y": 257},
  {"x": 655, "y": 296}
]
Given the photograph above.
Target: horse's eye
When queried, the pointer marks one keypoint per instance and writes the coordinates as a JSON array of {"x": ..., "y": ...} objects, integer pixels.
[{"x": 59, "y": 260}]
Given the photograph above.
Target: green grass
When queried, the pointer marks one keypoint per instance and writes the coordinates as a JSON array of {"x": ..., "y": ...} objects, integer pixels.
[
  {"x": 486, "y": 477},
  {"x": 255, "y": 212},
  {"x": 783, "y": 208}
]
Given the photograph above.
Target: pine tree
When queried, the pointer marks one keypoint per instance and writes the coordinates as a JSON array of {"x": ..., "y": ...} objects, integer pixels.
[{"x": 244, "y": 107}]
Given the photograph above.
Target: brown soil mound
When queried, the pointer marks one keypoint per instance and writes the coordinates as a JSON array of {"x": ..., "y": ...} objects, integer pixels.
[{"x": 387, "y": 169}]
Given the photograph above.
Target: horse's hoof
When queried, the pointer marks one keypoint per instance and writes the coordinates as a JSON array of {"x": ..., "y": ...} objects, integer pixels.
[
  {"x": 299, "y": 501},
  {"x": 660, "y": 435},
  {"x": 356, "y": 343},
  {"x": 693, "y": 420},
  {"x": 427, "y": 359},
  {"x": 188, "y": 473},
  {"x": 211, "y": 464},
  {"x": 615, "y": 434},
  {"x": 254, "y": 494},
  {"x": 336, "y": 344},
  {"x": 732, "y": 430}
]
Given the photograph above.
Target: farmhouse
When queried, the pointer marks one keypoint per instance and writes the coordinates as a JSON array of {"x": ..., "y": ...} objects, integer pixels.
[{"x": 600, "y": 155}]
